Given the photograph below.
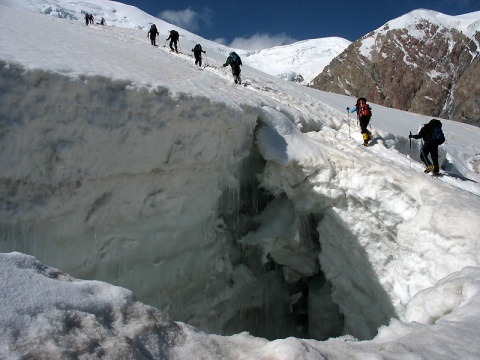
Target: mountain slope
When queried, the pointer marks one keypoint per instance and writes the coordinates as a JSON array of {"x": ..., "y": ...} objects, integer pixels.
[
  {"x": 305, "y": 58},
  {"x": 424, "y": 62},
  {"x": 232, "y": 208},
  {"x": 299, "y": 62}
]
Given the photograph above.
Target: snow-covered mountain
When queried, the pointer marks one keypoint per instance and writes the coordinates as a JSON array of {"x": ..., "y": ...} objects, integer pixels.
[
  {"x": 425, "y": 62},
  {"x": 300, "y": 62},
  {"x": 250, "y": 211}
]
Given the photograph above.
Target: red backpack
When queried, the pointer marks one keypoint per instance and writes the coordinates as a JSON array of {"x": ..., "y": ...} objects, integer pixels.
[{"x": 363, "y": 110}]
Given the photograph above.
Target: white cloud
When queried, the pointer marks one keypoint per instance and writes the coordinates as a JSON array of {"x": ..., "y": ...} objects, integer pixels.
[
  {"x": 222, "y": 41},
  {"x": 187, "y": 19},
  {"x": 261, "y": 41}
]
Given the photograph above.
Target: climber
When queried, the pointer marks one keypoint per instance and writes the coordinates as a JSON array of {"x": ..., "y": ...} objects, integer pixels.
[{"x": 364, "y": 114}]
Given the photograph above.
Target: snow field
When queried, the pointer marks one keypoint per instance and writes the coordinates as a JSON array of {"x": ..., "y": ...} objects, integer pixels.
[{"x": 130, "y": 168}]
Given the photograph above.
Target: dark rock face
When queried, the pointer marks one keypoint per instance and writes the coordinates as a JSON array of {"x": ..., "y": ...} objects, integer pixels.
[
  {"x": 465, "y": 105},
  {"x": 425, "y": 68}
]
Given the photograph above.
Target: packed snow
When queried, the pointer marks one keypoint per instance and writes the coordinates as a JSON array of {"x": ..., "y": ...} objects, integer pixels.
[{"x": 194, "y": 209}]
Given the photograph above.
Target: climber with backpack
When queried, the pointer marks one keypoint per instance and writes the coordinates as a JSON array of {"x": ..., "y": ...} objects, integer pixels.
[
  {"x": 174, "y": 38},
  {"x": 432, "y": 136},
  {"x": 197, "y": 52},
  {"x": 152, "y": 33},
  {"x": 235, "y": 62},
  {"x": 364, "y": 114}
]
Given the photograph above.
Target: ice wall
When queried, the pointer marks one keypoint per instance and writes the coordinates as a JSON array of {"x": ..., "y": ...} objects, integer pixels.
[
  {"x": 108, "y": 180},
  {"x": 150, "y": 190}
]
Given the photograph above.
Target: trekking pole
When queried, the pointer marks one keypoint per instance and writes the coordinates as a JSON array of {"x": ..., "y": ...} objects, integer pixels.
[
  {"x": 410, "y": 148},
  {"x": 348, "y": 117}
]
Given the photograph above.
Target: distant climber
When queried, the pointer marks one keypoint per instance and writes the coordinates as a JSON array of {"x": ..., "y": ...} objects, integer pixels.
[
  {"x": 91, "y": 19},
  {"x": 364, "y": 114},
  {"x": 152, "y": 33},
  {"x": 432, "y": 136},
  {"x": 197, "y": 52},
  {"x": 235, "y": 62},
  {"x": 102, "y": 22},
  {"x": 174, "y": 38},
  {"x": 87, "y": 19}
]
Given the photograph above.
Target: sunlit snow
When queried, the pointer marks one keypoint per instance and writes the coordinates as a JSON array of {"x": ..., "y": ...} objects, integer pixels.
[{"x": 212, "y": 202}]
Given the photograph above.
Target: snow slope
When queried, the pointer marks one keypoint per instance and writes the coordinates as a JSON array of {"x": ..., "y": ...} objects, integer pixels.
[
  {"x": 306, "y": 58},
  {"x": 127, "y": 163}
]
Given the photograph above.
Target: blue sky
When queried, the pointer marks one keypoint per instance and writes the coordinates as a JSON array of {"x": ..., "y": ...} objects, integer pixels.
[{"x": 255, "y": 24}]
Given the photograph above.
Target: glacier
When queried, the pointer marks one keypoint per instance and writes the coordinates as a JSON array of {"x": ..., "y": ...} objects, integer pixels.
[{"x": 250, "y": 212}]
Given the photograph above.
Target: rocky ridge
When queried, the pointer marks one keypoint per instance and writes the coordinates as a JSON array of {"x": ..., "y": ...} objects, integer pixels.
[{"x": 425, "y": 62}]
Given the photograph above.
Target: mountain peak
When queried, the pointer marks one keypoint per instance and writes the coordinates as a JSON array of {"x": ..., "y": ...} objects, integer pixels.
[
  {"x": 466, "y": 23},
  {"x": 423, "y": 62}
]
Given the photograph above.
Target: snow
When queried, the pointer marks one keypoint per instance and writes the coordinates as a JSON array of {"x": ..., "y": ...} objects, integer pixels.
[
  {"x": 306, "y": 58},
  {"x": 459, "y": 21},
  {"x": 366, "y": 47},
  {"x": 468, "y": 24},
  {"x": 126, "y": 163}
]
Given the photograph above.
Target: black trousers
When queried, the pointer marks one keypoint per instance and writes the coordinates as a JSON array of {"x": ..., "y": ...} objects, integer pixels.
[
  {"x": 430, "y": 148},
  {"x": 198, "y": 58},
  {"x": 236, "y": 70},
  {"x": 364, "y": 121},
  {"x": 172, "y": 44}
]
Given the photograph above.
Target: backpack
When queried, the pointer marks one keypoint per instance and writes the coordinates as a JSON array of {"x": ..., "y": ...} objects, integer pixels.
[
  {"x": 436, "y": 133},
  {"x": 236, "y": 59},
  {"x": 363, "y": 110},
  {"x": 174, "y": 34},
  {"x": 153, "y": 29},
  {"x": 197, "y": 48}
]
